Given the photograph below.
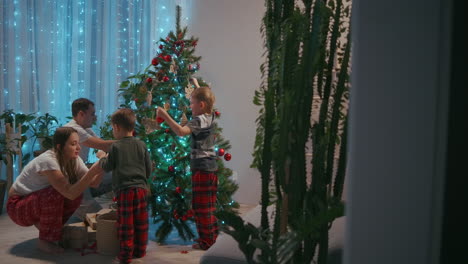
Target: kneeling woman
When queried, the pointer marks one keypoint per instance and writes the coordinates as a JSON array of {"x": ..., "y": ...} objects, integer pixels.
[{"x": 50, "y": 188}]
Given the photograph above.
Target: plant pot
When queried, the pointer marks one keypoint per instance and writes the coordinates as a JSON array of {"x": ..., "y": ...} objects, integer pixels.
[{"x": 3, "y": 184}]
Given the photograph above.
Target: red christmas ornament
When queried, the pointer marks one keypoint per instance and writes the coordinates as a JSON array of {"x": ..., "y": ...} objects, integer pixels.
[
  {"x": 167, "y": 130},
  {"x": 184, "y": 218},
  {"x": 155, "y": 61},
  {"x": 190, "y": 213},
  {"x": 176, "y": 216},
  {"x": 149, "y": 80},
  {"x": 178, "y": 189},
  {"x": 159, "y": 119},
  {"x": 220, "y": 152},
  {"x": 168, "y": 58},
  {"x": 165, "y": 79},
  {"x": 136, "y": 100},
  {"x": 171, "y": 168},
  {"x": 227, "y": 157},
  {"x": 161, "y": 46},
  {"x": 217, "y": 113}
]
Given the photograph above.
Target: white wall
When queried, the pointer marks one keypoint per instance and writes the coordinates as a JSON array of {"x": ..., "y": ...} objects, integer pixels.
[{"x": 231, "y": 47}]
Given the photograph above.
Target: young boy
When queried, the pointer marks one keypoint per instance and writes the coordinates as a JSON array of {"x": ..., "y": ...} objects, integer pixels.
[
  {"x": 130, "y": 163},
  {"x": 202, "y": 163}
]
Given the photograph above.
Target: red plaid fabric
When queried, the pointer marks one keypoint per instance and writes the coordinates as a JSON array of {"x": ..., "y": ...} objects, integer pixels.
[
  {"x": 204, "y": 188},
  {"x": 132, "y": 220},
  {"x": 46, "y": 207}
]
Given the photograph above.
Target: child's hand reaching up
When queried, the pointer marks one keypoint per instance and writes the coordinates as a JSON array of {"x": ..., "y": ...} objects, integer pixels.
[{"x": 161, "y": 113}]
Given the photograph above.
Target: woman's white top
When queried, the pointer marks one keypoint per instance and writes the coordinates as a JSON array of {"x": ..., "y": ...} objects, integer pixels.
[{"x": 31, "y": 179}]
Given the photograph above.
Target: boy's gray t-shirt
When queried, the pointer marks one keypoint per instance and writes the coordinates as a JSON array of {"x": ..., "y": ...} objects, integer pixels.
[{"x": 202, "y": 154}]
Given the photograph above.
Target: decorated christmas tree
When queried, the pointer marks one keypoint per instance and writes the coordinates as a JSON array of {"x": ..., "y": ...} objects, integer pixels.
[{"x": 168, "y": 82}]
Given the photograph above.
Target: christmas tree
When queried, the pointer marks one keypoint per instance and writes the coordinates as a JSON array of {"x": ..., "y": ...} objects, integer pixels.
[{"x": 168, "y": 82}]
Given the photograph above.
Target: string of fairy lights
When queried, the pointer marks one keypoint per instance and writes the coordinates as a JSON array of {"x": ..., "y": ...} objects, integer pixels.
[{"x": 55, "y": 51}]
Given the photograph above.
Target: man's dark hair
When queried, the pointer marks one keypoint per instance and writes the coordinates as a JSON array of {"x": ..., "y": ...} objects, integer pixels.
[
  {"x": 125, "y": 118},
  {"x": 80, "y": 104}
]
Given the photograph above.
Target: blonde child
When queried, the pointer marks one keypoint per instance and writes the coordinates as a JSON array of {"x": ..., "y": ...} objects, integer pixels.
[{"x": 202, "y": 162}]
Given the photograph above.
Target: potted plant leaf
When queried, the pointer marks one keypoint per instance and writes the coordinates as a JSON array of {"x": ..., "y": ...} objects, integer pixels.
[
  {"x": 43, "y": 128},
  {"x": 20, "y": 122}
]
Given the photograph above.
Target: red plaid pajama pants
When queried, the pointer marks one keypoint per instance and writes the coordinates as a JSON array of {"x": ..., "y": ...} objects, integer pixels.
[
  {"x": 132, "y": 220},
  {"x": 47, "y": 207},
  {"x": 204, "y": 188}
]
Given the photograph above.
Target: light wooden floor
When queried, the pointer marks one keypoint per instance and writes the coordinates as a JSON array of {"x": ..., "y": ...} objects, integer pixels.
[{"x": 18, "y": 245}]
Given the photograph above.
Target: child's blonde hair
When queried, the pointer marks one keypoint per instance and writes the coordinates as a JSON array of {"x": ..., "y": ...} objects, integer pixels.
[{"x": 204, "y": 94}]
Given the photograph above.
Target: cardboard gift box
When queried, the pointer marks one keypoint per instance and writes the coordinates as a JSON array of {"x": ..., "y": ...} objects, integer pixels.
[
  {"x": 91, "y": 220},
  {"x": 91, "y": 234},
  {"x": 75, "y": 235},
  {"x": 106, "y": 235}
]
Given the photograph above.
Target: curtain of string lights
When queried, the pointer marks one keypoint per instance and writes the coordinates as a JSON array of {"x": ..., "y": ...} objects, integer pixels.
[{"x": 53, "y": 52}]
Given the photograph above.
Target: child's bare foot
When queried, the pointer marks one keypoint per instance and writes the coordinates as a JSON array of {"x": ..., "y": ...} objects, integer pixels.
[{"x": 49, "y": 247}]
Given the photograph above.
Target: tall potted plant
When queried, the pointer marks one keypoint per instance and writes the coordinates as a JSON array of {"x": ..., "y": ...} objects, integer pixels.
[
  {"x": 10, "y": 145},
  {"x": 306, "y": 74}
]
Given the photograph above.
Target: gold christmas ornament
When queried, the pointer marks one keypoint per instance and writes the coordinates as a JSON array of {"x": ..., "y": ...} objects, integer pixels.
[
  {"x": 150, "y": 125},
  {"x": 167, "y": 106},
  {"x": 188, "y": 91},
  {"x": 183, "y": 120},
  {"x": 143, "y": 89}
]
